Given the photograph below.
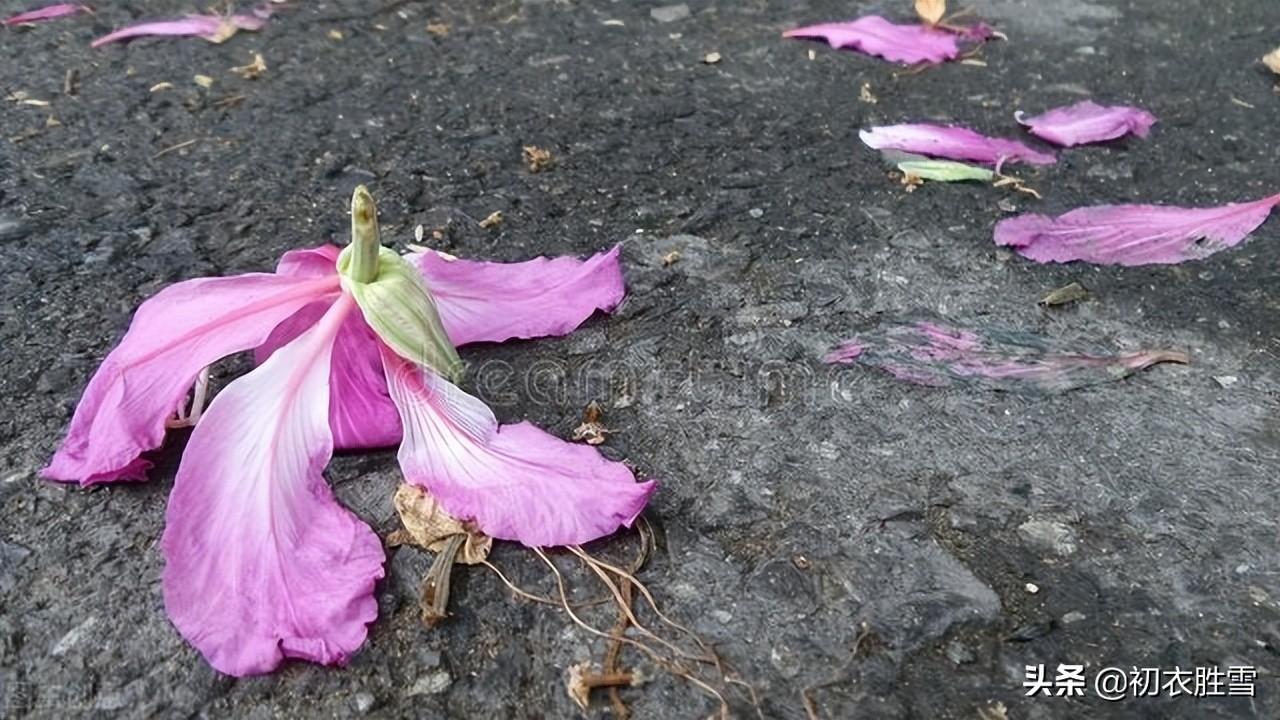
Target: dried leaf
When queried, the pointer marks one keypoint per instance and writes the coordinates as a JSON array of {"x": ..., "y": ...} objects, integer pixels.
[
  {"x": 936, "y": 354},
  {"x": 1133, "y": 234},
  {"x": 931, "y": 11},
  {"x": 1272, "y": 60},
  {"x": 428, "y": 526},
  {"x": 592, "y": 430},
  {"x": 1064, "y": 295},
  {"x": 536, "y": 158},
  {"x": 494, "y": 219}
]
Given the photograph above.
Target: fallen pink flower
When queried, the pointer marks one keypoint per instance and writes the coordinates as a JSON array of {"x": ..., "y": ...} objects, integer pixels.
[
  {"x": 214, "y": 28},
  {"x": 1087, "y": 122},
  {"x": 50, "y": 12},
  {"x": 952, "y": 143},
  {"x": 261, "y": 562},
  {"x": 1133, "y": 234},
  {"x": 939, "y": 355},
  {"x": 905, "y": 43}
]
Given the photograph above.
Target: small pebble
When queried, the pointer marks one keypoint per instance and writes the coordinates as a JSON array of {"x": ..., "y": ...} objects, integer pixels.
[
  {"x": 1226, "y": 381},
  {"x": 756, "y": 213},
  {"x": 363, "y": 702},
  {"x": 1074, "y": 616},
  {"x": 1033, "y": 588},
  {"x": 670, "y": 13}
]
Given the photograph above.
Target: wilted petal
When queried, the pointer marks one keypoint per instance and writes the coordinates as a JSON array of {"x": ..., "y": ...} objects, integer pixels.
[
  {"x": 873, "y": 35},
  {"x": 214, "y": 28},
  {"x": 953, "y": 143},
  {"x": 515, "y": 482},
  {"x": 493, "y": 302},
  {"x": 940, "y": 355},
  {"x": 174, "y": 335},
  {"x": 1087, "y": 122},
  {"x": 1133, "y": 234},
  {"x": 46, "y": 13},
  {"x": 261, "y": 563}
]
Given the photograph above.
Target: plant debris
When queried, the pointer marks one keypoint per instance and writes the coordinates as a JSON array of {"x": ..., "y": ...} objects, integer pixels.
[
  {"x": 535, "y": 158},
  {"x": 428, "y": 526},
  {"x": 253, "y": 70},
  {"x": 592, "y": 430},
  {"x": 493, "y": 219},
  {"x": 931, "y": 11},
  {"x": 1272, "y": 60},
  {"x": 1064, "y": 295}
]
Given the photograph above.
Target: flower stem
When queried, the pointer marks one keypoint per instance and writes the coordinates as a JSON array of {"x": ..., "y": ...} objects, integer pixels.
[
  {"x": 435, "y": 586},
  {"x": 365, "y": 239}
]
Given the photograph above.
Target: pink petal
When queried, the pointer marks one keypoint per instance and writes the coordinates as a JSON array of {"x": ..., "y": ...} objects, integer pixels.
[
  {"x": 515, "y": 482},
  {"x": 46, "y": 13},
  {"x": 953, "y": 143},
  {"x": 174, "y": 335},
  {"x": 873, "y": 35},
  {"x": 261, "y": 563},
  {"x": 493, "y": 302},
  {"x": 939, "y": 355},
  {"x": 214, "y": 28},
  {"x": 1088, "y": 122},
  {"x": 1133, "y": 234}
]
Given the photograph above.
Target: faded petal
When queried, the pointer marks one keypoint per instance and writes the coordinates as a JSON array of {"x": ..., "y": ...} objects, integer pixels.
[
  {"x": 953, "y": 143},
  {"x": 1133, "y": 234},
  {"x": 49, "y": 12},
  {"x": 261, "y": 563},
  {"x": 174, "y": 335},
  {"x": 873, "y": 35},
  {"x": 214, "y": 28},
  {"x": 515, "y": 482},
  {"x": 1087, "y": 122},
  {"x": 493, "y": 302}
]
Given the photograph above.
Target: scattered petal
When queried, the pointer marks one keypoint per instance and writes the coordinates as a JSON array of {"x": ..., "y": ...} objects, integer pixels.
[
  {"x": 873, "y": 35},
  {"x": 1087, "y": 122},
  {"x": 944, "y": 171},
  {"x": 428, "y": 526},
  {"x": 1133, "y": 234},
  {"x": 514, "y": 482},
  {"x": 214, "y": 28},
  {"x": 952, "y": 143},
  {"x": 261, "y": 562},
  {"x": 174, "y": 335},
  {"x": 50, "y": 12},
  {"x": 940, "y": 355}
]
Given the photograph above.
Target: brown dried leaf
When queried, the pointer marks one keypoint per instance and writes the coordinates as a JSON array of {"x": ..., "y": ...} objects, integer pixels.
[
  {"x": 536, "y": 158},
  {"x": 592, "y": 430},
  {"x": 931, "y": 11},
  {"x": 493, "y": 220},
  {"x": 428, "y": 526},
  {"x": 253, "y": 69},
  {"x": 1272, "y": 60}
]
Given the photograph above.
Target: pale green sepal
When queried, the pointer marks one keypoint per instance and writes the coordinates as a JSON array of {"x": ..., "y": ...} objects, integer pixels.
[
  {"x": 398, "y": 307},
  {"x": 945, "y": 170}
]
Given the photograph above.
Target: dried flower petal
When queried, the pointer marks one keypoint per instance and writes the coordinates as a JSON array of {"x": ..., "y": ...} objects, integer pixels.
[
  {"x": 429, "y": 526},
  {"x": 50, "y": 12}
]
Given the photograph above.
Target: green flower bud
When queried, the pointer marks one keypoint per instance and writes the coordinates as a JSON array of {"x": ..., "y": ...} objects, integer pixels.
[{"x": 392, "y": 295}]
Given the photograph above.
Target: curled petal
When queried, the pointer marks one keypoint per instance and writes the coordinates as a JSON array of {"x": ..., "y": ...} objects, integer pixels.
[
  {"x": 49, "y": 12},
  {"x": 873, "y": 35},
  {"x": 514, "y": 482},
  {"x": 1088, "y": 122},
  {"x": 214, "y": 28},
  {"x": 261, "y": 563},
  {"x": 175, "y": 334},
  {"x": 953, "y": 143},
  {"x": 493, "y": 302}
]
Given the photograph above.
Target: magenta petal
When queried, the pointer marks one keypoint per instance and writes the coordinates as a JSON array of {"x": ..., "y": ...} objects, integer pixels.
[
  {"x": 493, "y": 302},
  {"x": 515, "y": 482},
  {"x": 873, "y": 35},
  {"x": 49, "y": 12},
  {"x": 261, "y": 563},
  {"x": 952, "y": 143},
  {"x": 214, "y": 28},
  {"x": 1088, "y": 122},
  {"x": 174, "y": 335},
  {"x": 1133, "y": 234}
]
